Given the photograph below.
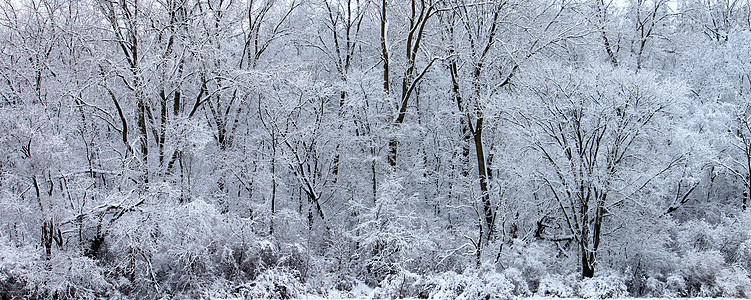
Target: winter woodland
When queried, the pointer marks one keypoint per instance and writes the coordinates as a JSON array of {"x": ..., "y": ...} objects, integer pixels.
[{"x": 447, "y": 149}]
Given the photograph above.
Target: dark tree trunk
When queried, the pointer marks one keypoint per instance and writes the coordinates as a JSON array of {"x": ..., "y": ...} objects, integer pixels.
[
  {"x": 483, "y": 173},
  {"x": 588, "y": 269}
]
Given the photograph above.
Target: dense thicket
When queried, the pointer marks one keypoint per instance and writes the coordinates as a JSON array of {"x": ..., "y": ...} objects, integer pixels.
[{"x": 422, "y": 148}]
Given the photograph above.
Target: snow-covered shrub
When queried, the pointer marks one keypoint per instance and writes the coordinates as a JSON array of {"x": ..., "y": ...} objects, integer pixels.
[
  {"x": 648, "y": 260},
  {"x": 704, "y": 251},
  {"x": 521, "y": 288},
  {"x": 399, "y": 285},
  {"x": 532, "y": 260},
  {"x": 25, "y": 272},
  {"x": 604, "y": 286},
  {"x": 675, "y": 286},
  {"x": 339, "y": 289},
  {"x": 700, "y": 270},
  {"x": 734, "y": 283},
  {"x": 276, "y": 283},
  {"x": 554, "y": 285},
  {"x": 653, "y": 287},
  {"x": 392, "y": 237},
  {"x": 450, "y": 285},
  {"x": 743, "y": 254},
  {"x": 15, "y": 265},
  {"x": 190, "y": 249},
  {"x": 445, "y": 285},
  {"x": 490, "y": 285},
  {"x": 499, "y": 286},
  {"x": 473, "y": 284},
  {"x": 79, "y": 276}
]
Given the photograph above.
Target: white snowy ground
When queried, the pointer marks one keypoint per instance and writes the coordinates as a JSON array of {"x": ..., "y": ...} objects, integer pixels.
[
  {"x": 311, "y": 297},
  {"x": 362, "y": 291}
]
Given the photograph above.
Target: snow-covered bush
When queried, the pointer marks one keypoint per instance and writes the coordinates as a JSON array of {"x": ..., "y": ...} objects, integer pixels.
[
  {"x": 339, "y": 288},
  {"x": 25, "y": 273},
  {"x": 554, "y": 285},
  {"x": 529, "y": 262},
  {"x": 604, "y": 286},
  {"x": 445, "y": 285},
  {"x": 485, "y": 284},
  {"x": 734, "y": 283},
  {"x": 708, "y": 258},
  {"x": 488, "y": 285},
  {"x": 276, "y": 283},
  {"x": 515, "y": 276},
  {"x": 743, "y": 254},
  {"x": 400, "y": 285},
  {"x": 675, "y": 286},
  {"x": 648, "y": 261},
  {"x": 198, "y": 249},
  {"x": 653, "y": 287},
  {"x": 392, "y": 237},
  {"x": 700, "y": 270}
]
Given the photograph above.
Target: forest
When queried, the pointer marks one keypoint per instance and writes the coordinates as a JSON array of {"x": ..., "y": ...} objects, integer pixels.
[{"x": 473, "y": 149}]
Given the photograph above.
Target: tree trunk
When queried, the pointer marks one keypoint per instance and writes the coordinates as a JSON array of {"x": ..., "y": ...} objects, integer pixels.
[
  {"x": 465, "y": 134},
  {"x": 141, "y": 123},
  {"x": 588, "y": 269},
  {"x": 384, "y": 48},
  {"x": 483, "y": 173},
  {"x": 602, "y": 14},
  {"x": 273, "y": 182}
]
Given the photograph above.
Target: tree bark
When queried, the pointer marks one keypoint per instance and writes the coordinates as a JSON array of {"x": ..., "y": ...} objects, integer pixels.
[
  {"x": 483, "y": 174},
  {"x": 602, "y": 14}
]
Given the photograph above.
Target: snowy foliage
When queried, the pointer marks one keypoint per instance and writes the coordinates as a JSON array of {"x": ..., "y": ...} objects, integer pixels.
[
  {"x": 472, "y": 284},
  {"x": 555, "y": 285},
  {"x": 608, "y": 286},
  {"x": 437, "y": 149},
  {"x": 276, "y": 283},
  {"x": 65, "y": 275}
]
